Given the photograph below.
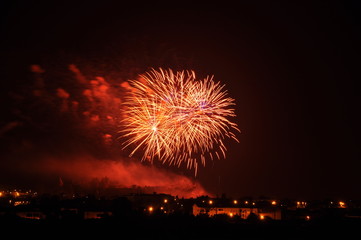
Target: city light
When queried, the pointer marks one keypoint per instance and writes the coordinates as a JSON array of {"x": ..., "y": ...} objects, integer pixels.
[
  {"x": 301, "y": 204},
  {"x": 211, "y": 207},
  {"x": 17, "y": 203}
]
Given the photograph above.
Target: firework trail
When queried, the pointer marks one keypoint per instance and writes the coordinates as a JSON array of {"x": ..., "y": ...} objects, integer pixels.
[{"x": 175, "y": 118}]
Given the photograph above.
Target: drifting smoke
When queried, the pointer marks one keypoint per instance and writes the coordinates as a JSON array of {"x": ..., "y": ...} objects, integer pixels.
[
  {"x": 65, "y": 126},
  {"x": 87, "y": 171}
]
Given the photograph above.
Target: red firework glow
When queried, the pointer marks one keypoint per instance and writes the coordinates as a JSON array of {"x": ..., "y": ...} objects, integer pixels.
[
  {"x": 69, "y": 126},
  {"x": 175, "y": 118},
  {"x": 84, "y": 170}
]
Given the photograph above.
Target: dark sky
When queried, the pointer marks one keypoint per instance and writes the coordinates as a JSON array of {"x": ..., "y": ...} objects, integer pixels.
[{"x": 292, "y": 68}]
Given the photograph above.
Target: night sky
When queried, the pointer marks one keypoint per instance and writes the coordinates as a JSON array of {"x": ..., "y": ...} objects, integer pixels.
[{"x": 293, "y": 69}]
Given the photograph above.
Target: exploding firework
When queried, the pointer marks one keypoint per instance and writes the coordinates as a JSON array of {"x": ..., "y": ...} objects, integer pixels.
[{"x": 175, "y": 118}]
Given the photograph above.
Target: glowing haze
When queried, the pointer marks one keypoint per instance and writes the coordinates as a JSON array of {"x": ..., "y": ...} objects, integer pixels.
[
  {"x": 67, "y": 127},
  {"x": 177, "y": 119},
  {"x": 85, "y": 170}
]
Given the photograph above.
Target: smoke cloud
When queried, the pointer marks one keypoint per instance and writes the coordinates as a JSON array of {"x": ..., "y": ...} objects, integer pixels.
[
  {"x": 116, "y": 173},
  {"x": 66, "y": 126}
]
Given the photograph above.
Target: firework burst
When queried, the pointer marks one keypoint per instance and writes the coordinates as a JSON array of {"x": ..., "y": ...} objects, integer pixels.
[{"x": 175, "y": 118}]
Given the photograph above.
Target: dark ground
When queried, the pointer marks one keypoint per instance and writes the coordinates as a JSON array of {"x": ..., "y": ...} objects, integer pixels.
[{"x": 181, "y": 227}]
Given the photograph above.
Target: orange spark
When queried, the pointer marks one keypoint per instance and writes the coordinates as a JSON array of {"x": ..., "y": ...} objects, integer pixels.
[{"x": 177, "y": 119}]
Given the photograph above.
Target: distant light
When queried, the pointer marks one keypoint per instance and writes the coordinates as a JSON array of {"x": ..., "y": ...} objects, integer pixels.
[
  {"x": 150, "y": 209},
  {"x": 231, "y": 214},
  {"x": 308, "y": 217},
  {"x": 235, "y": 201},
  {"x": 245, "y": 202},
  {"x": 301, "y": 204},
  {"x": 273, "y": 202},
  {"x": 210, "y": 201},
  {"x": 261, "y": 217},
  {"x": 17, "y": 203},
  {"x": 342, "y": 204},
  {"x": 165, "y": 200},
  {"x": 253, "y": 203}
]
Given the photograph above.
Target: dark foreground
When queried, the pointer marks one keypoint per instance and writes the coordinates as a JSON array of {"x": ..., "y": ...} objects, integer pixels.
[{"x": 179, "y": 227}]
